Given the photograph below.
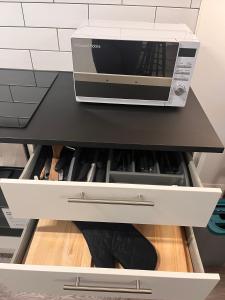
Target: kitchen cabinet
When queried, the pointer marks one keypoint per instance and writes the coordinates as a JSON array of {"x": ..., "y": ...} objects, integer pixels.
[{"x": 60, "y": 120}]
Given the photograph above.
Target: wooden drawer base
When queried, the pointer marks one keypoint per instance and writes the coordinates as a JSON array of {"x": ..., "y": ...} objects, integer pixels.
[
  {"x": 60, "y": 243},
  {"x": 57, "y": 243},
  {"x": 104, "y": 282}
]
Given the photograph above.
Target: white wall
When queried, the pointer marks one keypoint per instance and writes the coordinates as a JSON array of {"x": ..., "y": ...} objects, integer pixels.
[
  {"x": 209, "y": 81},
  {"x": 36, "y": 33}
]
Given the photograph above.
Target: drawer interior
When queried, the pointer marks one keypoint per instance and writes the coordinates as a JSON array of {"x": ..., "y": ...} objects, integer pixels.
[
  {"x": 147, "y": 167},
  {"x": 102, "y": 165},
  {"x": 118, "y": 166},
  {"x": 81, "y": 189},
  {"x": 69, "y": 248},
  {"x": 112, "y": 282}
]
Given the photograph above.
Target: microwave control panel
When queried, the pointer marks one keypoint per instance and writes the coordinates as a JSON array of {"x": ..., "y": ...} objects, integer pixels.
[{"x": 183, "y": 73}]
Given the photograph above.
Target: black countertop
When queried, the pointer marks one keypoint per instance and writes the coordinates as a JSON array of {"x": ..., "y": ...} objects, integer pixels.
[
  {"x": 61, "y": 120},
  {"x": 21, "y": 92}
]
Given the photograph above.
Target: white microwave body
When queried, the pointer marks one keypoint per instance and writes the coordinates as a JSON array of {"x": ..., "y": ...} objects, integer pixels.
[{"x": 134, "y": 63}]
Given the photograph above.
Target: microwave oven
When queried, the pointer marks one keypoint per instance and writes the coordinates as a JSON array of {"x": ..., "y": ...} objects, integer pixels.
[{"x": 133, "y": 63}]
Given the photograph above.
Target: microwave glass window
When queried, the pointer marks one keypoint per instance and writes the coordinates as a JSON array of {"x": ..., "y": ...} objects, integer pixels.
[
  {"x": 134, "y": 58},
  {"x": 155, "y": 59}
]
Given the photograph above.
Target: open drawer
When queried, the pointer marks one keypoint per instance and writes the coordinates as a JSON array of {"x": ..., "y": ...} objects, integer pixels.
[
  {"x": 111, "y": 202},
  {"x": 122, "y": 283}
]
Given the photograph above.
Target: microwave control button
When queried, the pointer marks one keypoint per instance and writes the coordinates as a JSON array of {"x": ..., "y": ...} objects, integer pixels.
[
  {"x": 181, "y": 79},
  {"x": 185, "y": 66},
  {"x": 182, "y": 73},
  {"x": 179, "y": 89}
]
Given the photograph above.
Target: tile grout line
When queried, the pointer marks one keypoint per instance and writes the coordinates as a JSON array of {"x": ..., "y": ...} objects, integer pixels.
[
  {"x": 129, "y": 5},
  {"x": 95, "y": 4},
  {"x": 36, "y": 27},
  {"x": 32, "y": 49},
  {"x": 23, "y": 14},
  {"x": 155, "y": 13},
  {"x": 11, "y": 92},
  {"x": 98, "y": 4},
  {"x": 32, "y": 63},
  {"x": 57, "y": 32}
]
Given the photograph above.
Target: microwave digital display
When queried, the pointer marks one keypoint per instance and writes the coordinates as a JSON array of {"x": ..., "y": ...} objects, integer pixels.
[{"x": 187, "y": 52}]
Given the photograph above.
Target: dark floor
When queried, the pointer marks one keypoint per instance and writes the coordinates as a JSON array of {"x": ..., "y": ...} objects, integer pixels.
[{"x": 219, "y": 291}]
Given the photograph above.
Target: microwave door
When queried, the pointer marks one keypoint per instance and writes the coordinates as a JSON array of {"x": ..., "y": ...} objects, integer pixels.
[{"x": 128, "y": 70}]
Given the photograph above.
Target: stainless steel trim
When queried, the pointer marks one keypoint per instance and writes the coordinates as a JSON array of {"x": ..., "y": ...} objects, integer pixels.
[
  {"x": 84, "y": 199},
  {"x": 136, "y": 290},
  {"x": 122, "y": 101},
  {"x": 123, "y": 79}
]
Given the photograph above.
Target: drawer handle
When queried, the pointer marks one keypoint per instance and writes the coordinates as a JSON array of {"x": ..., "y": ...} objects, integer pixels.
[
  {"x": 83, "y": 199},
  {"x": 136, "y": 290}
]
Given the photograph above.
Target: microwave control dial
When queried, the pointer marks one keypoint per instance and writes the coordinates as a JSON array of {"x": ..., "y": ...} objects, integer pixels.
[{"x": 179, "y": 89}]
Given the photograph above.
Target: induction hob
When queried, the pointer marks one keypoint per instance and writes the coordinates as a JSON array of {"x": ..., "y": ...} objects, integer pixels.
[{"x": 21, "y": 92}]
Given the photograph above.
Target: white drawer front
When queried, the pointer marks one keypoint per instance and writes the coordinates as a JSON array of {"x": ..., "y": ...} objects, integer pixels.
[
  {"x": 107, "y": 282},
  {"x": 110, "y": 202},
  {"x": 137, "y": 284}
]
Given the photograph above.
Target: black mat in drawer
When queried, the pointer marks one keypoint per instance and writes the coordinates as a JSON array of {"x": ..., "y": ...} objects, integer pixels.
[{"x": 21, "y": 92}]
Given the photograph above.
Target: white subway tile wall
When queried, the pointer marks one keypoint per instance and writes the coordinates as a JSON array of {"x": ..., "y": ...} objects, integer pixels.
[
  {"x": 36, "y": 33},
  {"x": 167, "y": 3},
  {"x": 15, "y": 59},
  {"x": 92, "y": 1},
  {"x": 27, "y": 1},
  {"x": 49, "y": 60},
  {"x": 55, "y": 15},
  {"x": 118, "y": 13},
  {"x": 11, "y": 14},
  {"x": 64, "y": 36},
  {"x": 196, "y": 3},
  {"x": 177, "y": 15},
  {"x": 28, "y": 38}
]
